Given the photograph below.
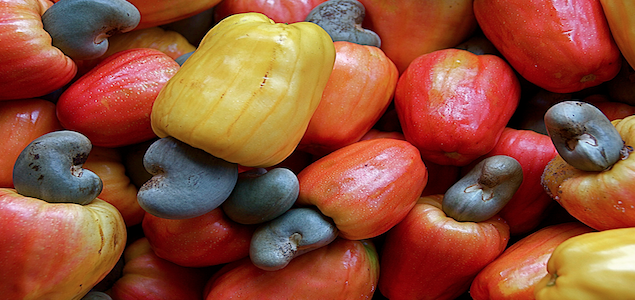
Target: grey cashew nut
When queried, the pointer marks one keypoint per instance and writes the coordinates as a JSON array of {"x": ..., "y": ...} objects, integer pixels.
[
  {"x": 183, "y": 58},
  {"x": 299, "y": 230},
  {"x": 187, "y": 182},
  {"x": 50, "y": 169},
  {"x": 583, "y": 136},
  {"x": 484, "y": 191},
  {"x": 81, "y": 28},
  {"x": 260, "y": 195},
  {"x": 342, "y": 20}
]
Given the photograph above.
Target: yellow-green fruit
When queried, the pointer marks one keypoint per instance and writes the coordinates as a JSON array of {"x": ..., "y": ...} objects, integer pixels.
[{"x": 247, "y": 93}]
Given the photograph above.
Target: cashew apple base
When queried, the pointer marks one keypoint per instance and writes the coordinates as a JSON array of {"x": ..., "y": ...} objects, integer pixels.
[
  {"x": 56, "y": 250},
  {"x": 602, "y": 200}
]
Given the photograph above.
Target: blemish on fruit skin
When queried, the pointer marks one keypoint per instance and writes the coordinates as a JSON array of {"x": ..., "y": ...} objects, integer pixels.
[
  {"x": 105, "y": 103},
  {"x": 589, "y": 77}
]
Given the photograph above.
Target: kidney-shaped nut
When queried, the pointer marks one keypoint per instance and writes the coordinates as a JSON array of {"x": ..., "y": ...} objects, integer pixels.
[
  {"x": 299, "y": 230},
  {"x": 81, "y": 28},
  {"x": 342, "y": 20},
  {"x": 187, "y": 182},
  {"x": 583, "y": 136},
  {"x": 260, "y": 195},
  {"x": 485, "y": 190},
  {"x": 50, "y": 169}
]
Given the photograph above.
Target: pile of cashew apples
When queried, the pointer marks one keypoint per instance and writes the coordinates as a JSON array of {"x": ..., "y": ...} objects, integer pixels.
[{"x": 317, "y": 149}]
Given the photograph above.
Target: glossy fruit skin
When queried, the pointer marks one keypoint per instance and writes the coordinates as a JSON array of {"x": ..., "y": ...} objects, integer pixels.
[
  {"x": 593, "y": 265},
  {"x": 278, "y": 10},
  {"x": 56, "y": 250},
  {"x": 619, "y": 15},
  {"x": 612, "y": 109},
  {"x": 366, "y": 187},
  {"x": 29, "y": 65},
  {"x": 410, "y": 28},
  {"x": 169, "y": 42},
  {"x": 453, "y": 105},
  {"x": 112, "y": 103},
  {"x": 21, "y": 122},
  {"x": 530, "y": 203},
  {"x": 356, "y": 95},
  {"x": 343, "y": 269},
  {"x": 255, "y": 117},
  {"x": 514, "y": 274},
  {"x": 601, "y": 200},
  {"x": 431, "y": 256},
  {"x": 562, "y": 47},
  {"x": 208, "y": 240},
  {"x": 147, "y": 277},
  {"x": 117, "y": 190},
  {"x": 155, "y": 13}
]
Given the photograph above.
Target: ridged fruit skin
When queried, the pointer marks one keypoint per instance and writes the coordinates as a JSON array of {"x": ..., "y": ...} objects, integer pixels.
[
  {"x": 366, "y": 187},
  {"x": 562, "y": 47},
  {"x": 56, "y": 250},
  {"x": 247, "y": 93}
]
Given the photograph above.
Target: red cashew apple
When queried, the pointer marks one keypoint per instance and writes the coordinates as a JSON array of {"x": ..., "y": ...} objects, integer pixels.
[
  {"x": 343, "y": 269},
  {"x": 111, "y": 104},
  {"x": 56, "y": 250},
  {"x": 415, "y": 27},
  {"x": 515, "y": 273},
  {"x": 161, "y": 12},
  {"x": 366, "y": 187},
  {"x": 453, "y": 105},
  {"x": 210, "y": 239},
  {"x": 560, "y": 47},
  {"x": 356, "y": 95},
  {"x": 29, "y": 65},
  {"x": 530, "y": 204},
  {"x": 429, "y": 255},
  {"x": 22, "y": 121},
  {"x": 148, "y": 277}
]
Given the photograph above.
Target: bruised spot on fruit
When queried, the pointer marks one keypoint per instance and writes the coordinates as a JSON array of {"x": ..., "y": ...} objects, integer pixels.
[
  {"x": 264, "y": 79},
  {"x": 555, "y": 174},
  {"x": 587, "y": 78},
  {"x": 105, "y": 103},
  {"x": 453, "y": 155}
]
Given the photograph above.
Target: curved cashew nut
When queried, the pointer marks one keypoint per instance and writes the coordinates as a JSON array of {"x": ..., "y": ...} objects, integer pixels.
[
  {"x": 262, "y": 195},
  {"x": 485, "y": 190},
  {"x": 80, "y": 28},
  {"x": 187, "y": 182},
  {"x": 297, "y": 231},
  {"x": 50, "y": 169},
  {"x": 342, "y": 20},
  {"x": 583, "y": 136}
]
